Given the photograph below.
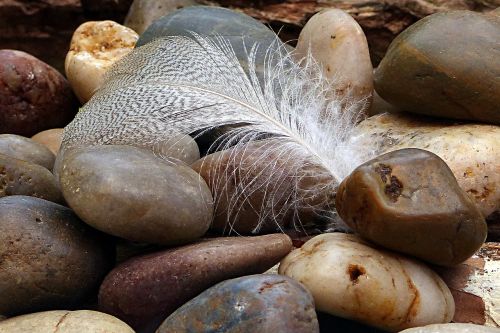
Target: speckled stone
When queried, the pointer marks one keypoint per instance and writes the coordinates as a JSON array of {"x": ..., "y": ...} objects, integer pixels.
[
  {"x": 19, "y": 177},
  {"x": 409, "y": 201},
  {"x": 144, "y": 290},
  {"x": 25, "y": 149},
  {"x": 256, "y": 303},
  {"x": 445, "y": 65},
  {"x": 33, "y": 96},
  {"x": 50, "y": 258}
]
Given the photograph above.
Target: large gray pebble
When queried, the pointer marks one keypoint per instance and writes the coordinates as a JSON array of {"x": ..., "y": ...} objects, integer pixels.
[
  {"x": 19, "y": 177},
  {"x": 26, "y": 149},
  {"x": 130, "y": 193},
  {"x": 49, "y": 258}
]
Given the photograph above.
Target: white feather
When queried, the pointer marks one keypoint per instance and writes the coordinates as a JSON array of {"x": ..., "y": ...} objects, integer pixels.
[{"x": 180, "y": 85}]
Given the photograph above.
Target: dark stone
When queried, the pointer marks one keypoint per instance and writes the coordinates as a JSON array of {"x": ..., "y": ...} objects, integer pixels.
[
  {"x": 33, "y": 96},
  {"x": 49, "y": 259},
  {"x": 19, "y": 177},
  {"x": 256, "y": 303},
  {"x": 130, "y": 193},
  {"x": 409, "y": 201},
  {"x": 144, "y": 290},
  {"x": 445, "y": 65}
]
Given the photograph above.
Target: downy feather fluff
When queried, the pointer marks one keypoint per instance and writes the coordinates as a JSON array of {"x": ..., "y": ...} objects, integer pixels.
[{"x": 182, "y": 85}]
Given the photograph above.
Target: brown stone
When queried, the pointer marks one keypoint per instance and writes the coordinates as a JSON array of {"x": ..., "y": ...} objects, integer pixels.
[
  {"x": 144, "y": 290},
  {"x": 409, "y": 201},
  {"x": 273, "y": 199},
  {"x": 19, "y": 177},
  {"x": 49, "y": 258},
  {"x": 33, "y": 96},
  {"x": 446, "y": 65}
]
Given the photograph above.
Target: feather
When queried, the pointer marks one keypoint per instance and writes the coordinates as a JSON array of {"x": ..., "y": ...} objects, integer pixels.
[{"x": 180, "y": 85}]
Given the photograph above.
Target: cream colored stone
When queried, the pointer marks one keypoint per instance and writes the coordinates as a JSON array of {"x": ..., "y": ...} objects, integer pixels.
[
  {"x": 452, "y": 328},
  {"x": 82, "y": 321},
  {"x": 95, "y": 46},
  {"x": 50, "y": 138},
  {"x": 472, "y": 151},
  {"x": 350, "y": 279},
  {"x": 338, "y": 43}
]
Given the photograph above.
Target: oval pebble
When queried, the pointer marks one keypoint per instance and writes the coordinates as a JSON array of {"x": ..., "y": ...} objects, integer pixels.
[
  {"x": 27, "y": 150},
  {"x": 144, "y": 290},
  {"x": 350, "y": 279},
  {"x": 338, "y": 43},
  {"x": 60, "y": 321},
  {"x": 19, "y": 177},
  {"x": 130, "y": 193},
  {"x": 256, "y": 303},
  {"x": 445, "y": 65},
  {"x": 51, "y": 138},
  {"x": 50, "y": 259},
  {"x": 33, "y": 96},
  {"x": 409, "y": 201}
]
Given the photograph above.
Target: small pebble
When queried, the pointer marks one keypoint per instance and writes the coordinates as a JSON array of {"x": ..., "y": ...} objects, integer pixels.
[
  {"x": 452, "y": 328},
  {"x": 51, "y": 138},
  {"x": 25, "y": 149}
]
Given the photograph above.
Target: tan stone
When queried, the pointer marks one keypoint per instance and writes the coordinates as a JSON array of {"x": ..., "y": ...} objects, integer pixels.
[{"x": 50, "y": 138}]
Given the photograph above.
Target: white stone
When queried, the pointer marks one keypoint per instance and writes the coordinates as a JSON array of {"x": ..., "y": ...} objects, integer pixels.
[
  {"x": 83, "y": 321},
  {"x": 338, "y": 43},
  {"x": 350, "y": 279},
  {"x": 452, "y": 328},
  {"x": 94, "y": 48}
]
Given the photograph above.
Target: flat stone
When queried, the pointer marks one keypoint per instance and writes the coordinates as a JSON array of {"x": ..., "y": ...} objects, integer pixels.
[
  {"x": 33, "y": 96},
  {"x": 50, "y": 259},
  {"x": 409, "y": 201},
  {"x": 470, "y": 150},
  {"x": 130, "y": 193},
  {"x": 348, "y": 278},
  {"x": 51, "y": 138},
  {"x": 19, "y": 177},
  {"x": 255, "y": 303},
  {"x": 144, "y": 290},
  {"x": 61, "y": 321},
  {"x": 25, "y": 149},
  {"x": 445, "y": 65}
]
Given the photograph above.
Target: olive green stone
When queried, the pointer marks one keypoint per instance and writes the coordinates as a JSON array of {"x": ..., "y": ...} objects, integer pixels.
[
  {"x": 445, "y": 65},
  {"x": 409, "y": 201},
  {"x": 26, "y": 149},
  {"x": 49, "y": 258},
  {"x": 19, "y": 177},
  {"x": 130, "y": 193}
]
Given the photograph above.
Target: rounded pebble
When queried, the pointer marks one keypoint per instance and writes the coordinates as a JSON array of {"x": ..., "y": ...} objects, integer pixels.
[
  {"x": 51, "y": 138},
  {"x": 50, "y": 259},
  {"x": 130, "y": 193},
  {"x": 452, "y": 328},
  {"x": 33, "y": 96}
]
